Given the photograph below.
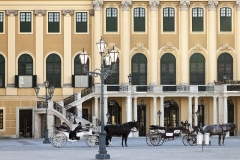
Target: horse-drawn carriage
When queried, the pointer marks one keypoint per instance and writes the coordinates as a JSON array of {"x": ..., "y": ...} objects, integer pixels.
[
  {"x": 61, "y": 136},
  {"x": 158, "y": 135}
]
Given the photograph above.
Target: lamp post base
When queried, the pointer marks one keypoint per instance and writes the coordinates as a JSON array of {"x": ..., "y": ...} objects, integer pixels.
[
  {"x": 46, "y": 140},
  {"x": 102, "y": 147}
]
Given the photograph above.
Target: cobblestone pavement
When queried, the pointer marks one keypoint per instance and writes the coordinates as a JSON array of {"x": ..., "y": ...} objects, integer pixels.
[{"x": 34, "y": 149}]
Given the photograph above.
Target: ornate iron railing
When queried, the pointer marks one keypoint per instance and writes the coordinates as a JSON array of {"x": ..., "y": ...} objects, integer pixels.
[
  {"x": 183, "y": 88},
  {"x": 41, "y": 104},
  {"x": 206, "y": 88},
  {"x": 233, "y": 88},
  {"x": 144, "y": 88},
  {"x": 169, "y": 88},
  {"x": 98, "y": 122},
  {"x": 57, "y": 107},
  {"x": 86, "y": 92},
  {"x": 70, "y": 99}
]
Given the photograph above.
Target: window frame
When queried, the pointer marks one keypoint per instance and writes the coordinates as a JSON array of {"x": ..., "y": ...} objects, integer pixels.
[
  {"x": 168, "y": 55},
  {"x": 225, "y": 15},
  {"x": 3, "y": 22},
  {"x": 105, "y": 21},
  {"x": 191, "y": 21},
  {"x": 175, "y": 22},
  {"x": 3, "y": 70},
  {"x": 19, "y": 20},
  {"x": 4, "y": 119},
  {"x": 225, "y": 56},
  {"x": 25, "y": 67},
  {"x": 140, "y": 58},
  {"x": 61, "y": 69},
  {"x": 146, "y": 20},
  {"x": 191, "y": 60},
  {"x": 75, "y": 22},
  {"x": 47, "y": 22},
  {"x": 114, "y": 74},
  {"x": 232, "y": 20}
]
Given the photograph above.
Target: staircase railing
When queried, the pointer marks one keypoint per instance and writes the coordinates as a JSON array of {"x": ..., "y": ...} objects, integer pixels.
[
  {"x": 41, "y": 104},
  {"x": 57, "y": 107},
  {"x": 70, "y": 99},
  {"x": 98, "y": 122},
  {"x": 86, "y": 91}
]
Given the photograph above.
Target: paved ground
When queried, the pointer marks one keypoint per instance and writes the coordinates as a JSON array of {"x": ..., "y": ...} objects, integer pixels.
[{"x": 34, "y": 149}]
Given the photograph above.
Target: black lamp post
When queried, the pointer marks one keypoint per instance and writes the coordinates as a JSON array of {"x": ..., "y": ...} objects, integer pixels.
[
  {"x": 108, "y": 116},
  {"x": 159, "y": 115},
  {"x": 47, "y": 97},
  {"x": 110, "y": 61}
]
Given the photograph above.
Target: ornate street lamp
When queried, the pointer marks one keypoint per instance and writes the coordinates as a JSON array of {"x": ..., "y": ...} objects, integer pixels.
[
  {"x": 130, "y": 78},
  {"x": 110, "y": 61},
  {"x": 159, "y": 115},
  {"x": 108, "y": 116},
  {"x": 47, "y": 97}
]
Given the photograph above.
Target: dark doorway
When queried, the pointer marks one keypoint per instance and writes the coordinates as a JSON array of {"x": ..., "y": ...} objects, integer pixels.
[
  {"x": 85, "y": 114},
  {"x": 231, "y": 115},
  {"x": 141, "y": 118},
  {"x": 25, "y": 123},
  {"x": 171, "y": 114},
  {"x": 200, "y": 122},
  {"x": 115, "y": 111}
]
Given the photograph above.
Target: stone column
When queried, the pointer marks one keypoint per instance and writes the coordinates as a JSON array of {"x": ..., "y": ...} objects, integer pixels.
[
  {"x": 12, "y": 61},
  {"x": 125, "y": 40},
  {"x": 135, "y": 109},
  {"x": 225, "y": 109},
  {"x": 128, "y": 108},
  {"x": 212, "y": 40},
  {"x": 195, "y": 110},
  {"x": 39, "y": 48},
  {"x": 154, "y": 111},
  {"x": 96, "y": 107},
  {"x": 105, "y": 109},
  {"x": 97, "y": 34},
  {"x": 190, "y": 110},
  {"x": 67, "y": 47},
  {"x": 214, "y": 110},
  {"x": 238, "y": 36},
  {"x": 37, "y": 126},
  {"x": 184, "y": 41},
  {"x": 162, "y": 110},
  {"x": 220, "y": 109},
  {"x": 153, "y": 39},
  {"x": 79, "y": 108}
]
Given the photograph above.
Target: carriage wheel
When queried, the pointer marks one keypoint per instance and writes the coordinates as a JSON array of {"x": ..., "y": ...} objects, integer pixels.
[
  {"x": 192, "y": 140},
  {"x": 148, "y": 139},
  {"x": 91, "y": 140},
  {"x": 58, "y": 140},
  {"x": 161, "y": 139},
  {"x": 185, "y": 140},
  {"x": 155, "y": 138}
]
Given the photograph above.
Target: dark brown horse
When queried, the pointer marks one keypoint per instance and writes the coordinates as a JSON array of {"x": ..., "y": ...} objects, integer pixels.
[
  {"x": 220, "y": 130},
  {"x": 120, "y": 130}
]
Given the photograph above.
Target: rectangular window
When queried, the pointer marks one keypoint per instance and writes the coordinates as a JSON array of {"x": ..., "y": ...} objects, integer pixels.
[
  {"x": 139, "y": 20},
  {"x": 25, "y": 22},
  {"x": 81, "y": 22},
  {"x": 1, "y": 22},
  {"x": 168, "y": 19},
  {"x": 1, "y": 118},
  {"x": 197, "y": 19},
  {"x": 226, "y": 19},
  {"x": 111, "y": 20},
  {"x": 53, "y": 22}
]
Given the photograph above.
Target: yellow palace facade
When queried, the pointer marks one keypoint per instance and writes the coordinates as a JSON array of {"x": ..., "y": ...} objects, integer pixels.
[{"x": 175, "y": 56}]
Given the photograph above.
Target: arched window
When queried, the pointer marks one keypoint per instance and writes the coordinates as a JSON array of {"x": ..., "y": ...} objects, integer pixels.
[
  {"x": 25, "y": 65},
  {"x": 139, "y": 69},
  {"x": 225, "y": 66},
  {"x": 2, "y": 71},
  {"x": 53, "y": 73},
  {"x": 197, "y": 69},
  {"x": 168, "y": 69},
  {"x": 78, "y": 67},
  {"x": 114, "y": 77}
]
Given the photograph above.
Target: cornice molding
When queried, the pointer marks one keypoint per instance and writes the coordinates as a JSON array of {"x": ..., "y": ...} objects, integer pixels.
[
  {"x": 126, "y": 4},
  {"x": 212, "y": 4},
  {"x": 97, "y": 4},
  {"x": 70, "y": 12},
  {"x": 197, "y": 48},
  {"x": 111, "y": 5},
  {"x": 154, "y": 5},
  {"x": 37, "y": 12},
  {"x": 9, "y": 12},
  {"x": 184, "y": 5}
]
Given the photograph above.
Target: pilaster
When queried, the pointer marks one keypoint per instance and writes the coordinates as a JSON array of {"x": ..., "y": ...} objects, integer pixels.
[
  {"x": 195, "y": 110},
  {"x": 238, "y": 35},
  {"x": 190, "y": 110},
  {"x": 162, "y": 110}
]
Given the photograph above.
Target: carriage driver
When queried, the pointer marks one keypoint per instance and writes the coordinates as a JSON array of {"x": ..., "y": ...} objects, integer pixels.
[{"x": 72, "y": 134}]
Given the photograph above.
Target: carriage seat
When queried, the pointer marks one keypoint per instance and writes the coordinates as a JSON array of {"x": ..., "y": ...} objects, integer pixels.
[
  {"x": 60, "y": 129},
  {"x": 82, "y": 130}
]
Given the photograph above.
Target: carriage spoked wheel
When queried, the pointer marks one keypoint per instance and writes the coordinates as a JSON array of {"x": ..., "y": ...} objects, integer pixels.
[
  {"x": 192, "y": 140},
  {"x": 185, "y": 140},
  {"x": 148, "y": 139},
  {"x": 58, "y": 140},
  {"x": 161, "y": 139},
  {"x": 91, "y": 140},
  {"x": 155, "y": 138}
]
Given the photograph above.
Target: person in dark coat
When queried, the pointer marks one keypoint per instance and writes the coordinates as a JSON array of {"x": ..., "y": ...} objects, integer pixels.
[{"x": 72, "y": 134}]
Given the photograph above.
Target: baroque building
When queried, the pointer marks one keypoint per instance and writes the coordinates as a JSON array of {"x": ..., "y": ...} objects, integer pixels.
[{"x": 181, "y": 57}]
